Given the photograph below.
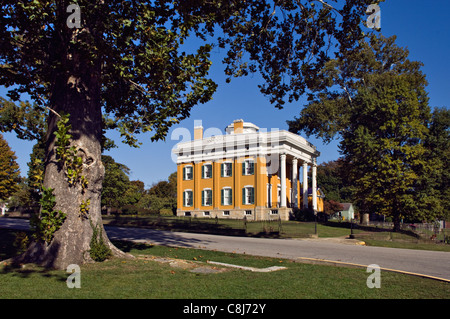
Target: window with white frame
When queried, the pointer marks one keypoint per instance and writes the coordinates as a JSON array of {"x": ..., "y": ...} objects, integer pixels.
[
  {"x": 248, "y": 195},
  {"x": 188, "y": 173},
  {"x": 226, "y": 169},
  {"x": 248, "y": 167},
  {"x": 226, "y": 196},
  {"x": 188, "y": 198},
  {"x": 207, "y": 171},
  {"x": 207, "y": 197}
]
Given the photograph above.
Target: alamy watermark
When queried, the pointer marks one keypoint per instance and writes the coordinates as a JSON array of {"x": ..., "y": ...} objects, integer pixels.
[
  {"x": 73, "y": 20},
  {"x": 374, "y": 19},
  {"x": 74, "y": 279},
  {"x": 374, "y": 279}
]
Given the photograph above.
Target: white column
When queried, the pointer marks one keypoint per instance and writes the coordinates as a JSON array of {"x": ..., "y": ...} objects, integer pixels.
[
  {"x": 314, "y": 187},
  {"x": 294, "y": 182},
  {"x": 305, "y": 185},
  {"x": 283, "y": 180}
]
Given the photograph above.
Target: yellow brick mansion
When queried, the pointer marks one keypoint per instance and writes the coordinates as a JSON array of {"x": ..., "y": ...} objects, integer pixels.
[{"x": 246, "y": 173}]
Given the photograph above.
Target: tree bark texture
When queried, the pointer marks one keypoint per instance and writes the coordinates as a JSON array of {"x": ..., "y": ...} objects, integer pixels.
[{"x": 77, "y": 93}]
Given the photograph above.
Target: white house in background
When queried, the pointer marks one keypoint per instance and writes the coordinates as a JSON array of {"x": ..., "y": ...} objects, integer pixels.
[{"x": 347, "y": 213}]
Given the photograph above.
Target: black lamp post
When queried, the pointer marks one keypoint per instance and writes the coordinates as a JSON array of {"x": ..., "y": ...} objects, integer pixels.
[{"x": 352, "y": 236}]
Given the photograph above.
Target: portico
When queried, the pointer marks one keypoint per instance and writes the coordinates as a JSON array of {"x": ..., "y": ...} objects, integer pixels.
[{"x": 295, "y": 184}]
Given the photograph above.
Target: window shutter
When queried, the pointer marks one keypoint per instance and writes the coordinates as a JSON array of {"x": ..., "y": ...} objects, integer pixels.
[
  {"x": 203, "y": 171},
  {"x": 243, "y": 196},
  {"x": 203, "y": 198},
  {"x": 251, "y": 168},
  {"x": 222, "y": 196},
  {"x": 210, "y": 196},
  {"x": 231, "y": 169},
  {"x": 252, "y": 195},
  {"x": 184, "y": 199},
  {"x": 230, "y": 194},
  {"x": 184, "y": 173},
  {"x": 243, "y": 167},
  {"x": 222, "y": 170},
  {"x": 191, "y": 198}
]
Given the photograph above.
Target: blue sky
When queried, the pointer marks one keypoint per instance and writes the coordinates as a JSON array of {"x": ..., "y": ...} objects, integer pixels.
[{"x": 421, "y": 26}]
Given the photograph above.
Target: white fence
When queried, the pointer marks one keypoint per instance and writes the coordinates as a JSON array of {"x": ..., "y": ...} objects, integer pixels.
[{"x": 432, "y": 227}]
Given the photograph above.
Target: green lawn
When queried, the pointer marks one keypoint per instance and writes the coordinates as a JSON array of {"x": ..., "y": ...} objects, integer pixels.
[{"x": 144, "y": 277}]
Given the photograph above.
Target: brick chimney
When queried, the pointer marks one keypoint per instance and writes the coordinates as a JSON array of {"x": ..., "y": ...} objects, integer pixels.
[
  {"x": 238, "y": 126},
  {"x": 198, "y": 132}
]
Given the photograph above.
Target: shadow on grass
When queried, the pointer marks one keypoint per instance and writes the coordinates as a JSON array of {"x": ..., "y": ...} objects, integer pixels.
[
  {"x": 127, "y": 246},
  {"x": 12, "y": 244},
  {"x": 27, "y": 270}
]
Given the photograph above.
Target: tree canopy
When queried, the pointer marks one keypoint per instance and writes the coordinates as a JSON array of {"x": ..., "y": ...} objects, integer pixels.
[
  {"x": 115, "y": 183},
  {"x": 148, "y": 81},
  {"x": 374, "y": 99},
  {"x": 127, "y": 65},
  {"x": 332, "y": 177},
  {"x": 9, "y": 171}
]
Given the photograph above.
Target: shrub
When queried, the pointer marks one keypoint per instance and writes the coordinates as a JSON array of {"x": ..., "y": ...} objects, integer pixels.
[
  {"x": 21, "y": 242},
  {"x": 166, "y": 212},
  {"x": 303, "y": 214},
  {"x": 99, "y": 250}
]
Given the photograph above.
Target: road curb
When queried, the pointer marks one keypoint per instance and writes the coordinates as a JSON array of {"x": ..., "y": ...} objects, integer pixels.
[
  {"x": 347, "y": 264},
  {"x": 337, "y": 240}
]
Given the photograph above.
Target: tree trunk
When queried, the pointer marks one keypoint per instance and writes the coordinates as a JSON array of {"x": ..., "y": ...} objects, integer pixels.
[
  {"x": 397, "y": 223},
  {"x": 77, "y": 93},
  {"x": 365, "y": 218}
]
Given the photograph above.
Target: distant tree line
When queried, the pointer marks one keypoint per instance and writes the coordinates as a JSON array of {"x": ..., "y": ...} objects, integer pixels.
[
  {"x": 394, "y": 146},
  {"x": 9, "y": 172},
  {"x": 120, "y": 195}
]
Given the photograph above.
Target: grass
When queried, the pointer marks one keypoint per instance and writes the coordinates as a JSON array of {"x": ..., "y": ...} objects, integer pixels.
[{"x": 147, "y": 278}]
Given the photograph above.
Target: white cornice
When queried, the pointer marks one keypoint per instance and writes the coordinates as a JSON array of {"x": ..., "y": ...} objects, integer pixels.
[{"x": 246, "y": 144}]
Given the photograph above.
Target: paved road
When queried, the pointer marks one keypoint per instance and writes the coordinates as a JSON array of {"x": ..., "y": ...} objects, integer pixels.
[{"x": 428, "y": 263}]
